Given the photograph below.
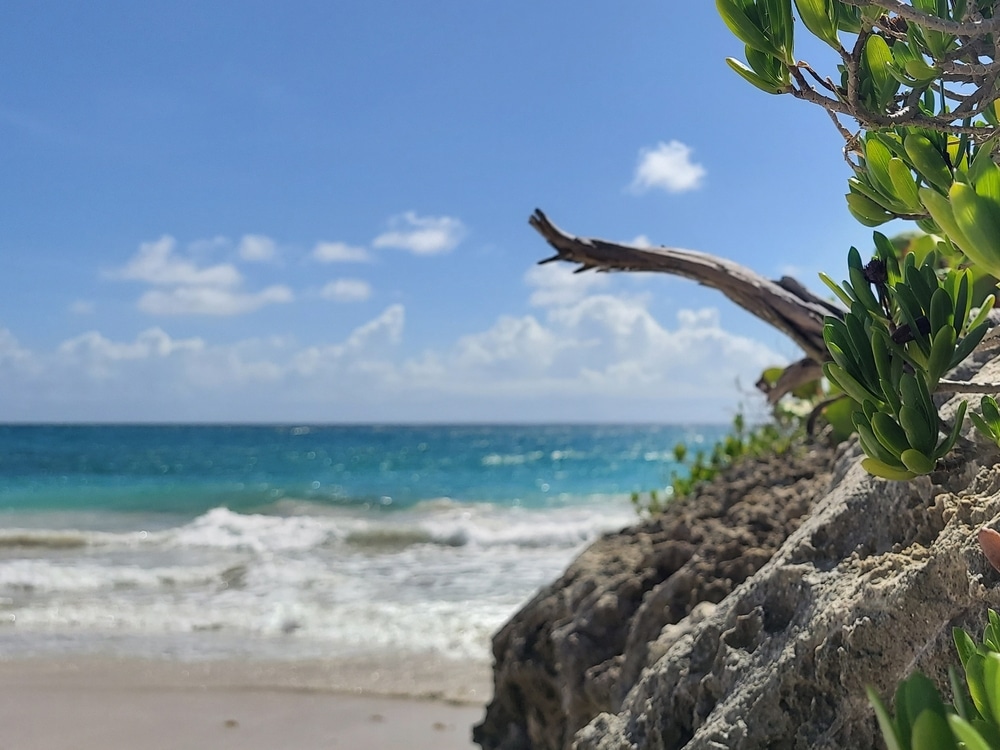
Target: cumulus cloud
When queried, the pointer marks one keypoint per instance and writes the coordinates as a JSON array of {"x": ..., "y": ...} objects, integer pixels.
[
  {"x": 207, "y": 300},
  {"x": 359, "y": 351},
  {"x": 153, "y": 342},
  {"x": 422, "y": 235},
  {"x": 256, "y": 248},
  {"x": 182, "y": 286},
  {"x": 158, "y": 263},
  {"x": 339, "y": 252},
  {"x": 523, "y": 342},
  {"x": 15, "y": 356},
  {"x": 667, "y": 167},
  {"x": 583, "y": 353},
  {"x": 555, "y": 284},
  {"x": 346, "y": 290}
]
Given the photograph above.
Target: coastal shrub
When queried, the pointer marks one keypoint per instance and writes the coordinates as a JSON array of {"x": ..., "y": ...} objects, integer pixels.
[
  {"x": 923, "y": 720},
  {"x": 914, "y": 95},
  {"x": 771, "y": 438}
]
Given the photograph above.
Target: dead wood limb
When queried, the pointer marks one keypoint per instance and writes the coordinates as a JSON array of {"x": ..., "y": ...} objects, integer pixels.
[{"x": 784, "y": 304}]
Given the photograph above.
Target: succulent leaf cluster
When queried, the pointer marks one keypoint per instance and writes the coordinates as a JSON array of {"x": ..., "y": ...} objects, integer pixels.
[
  {"x": 905, "y": 328},
  {"x": 920, "y": 78},
  {"x": 922, "y": 718},
  {"x": 988, "y": 424}
]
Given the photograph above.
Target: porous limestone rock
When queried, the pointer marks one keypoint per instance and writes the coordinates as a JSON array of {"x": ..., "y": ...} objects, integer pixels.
[{"x": 757, "y": 624}]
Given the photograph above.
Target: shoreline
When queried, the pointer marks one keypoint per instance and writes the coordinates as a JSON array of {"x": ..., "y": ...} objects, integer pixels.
[{"x": 91, "y": 702}]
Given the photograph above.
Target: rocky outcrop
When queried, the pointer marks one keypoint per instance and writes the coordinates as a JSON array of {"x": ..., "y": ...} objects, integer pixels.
[
  {"x": 753, "y": 615},
  {"x": 576, "y": 649}
]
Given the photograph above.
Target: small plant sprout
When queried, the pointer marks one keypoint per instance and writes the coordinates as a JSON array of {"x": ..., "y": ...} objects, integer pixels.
[
  {"x": 988, "y": 425},
  {"x": 922, "y": 719}
]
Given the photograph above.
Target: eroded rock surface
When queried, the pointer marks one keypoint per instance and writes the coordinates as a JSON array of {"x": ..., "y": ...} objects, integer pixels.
[
  {"x": 754, "y": 615},
  {"x": 580, "y": 645}
]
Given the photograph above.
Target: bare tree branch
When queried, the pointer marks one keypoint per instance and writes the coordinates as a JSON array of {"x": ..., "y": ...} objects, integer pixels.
[
  {"x": 784, "y": 304},
  {"x": 962, "y": 386},
  {"x": 928, "y": 21}
]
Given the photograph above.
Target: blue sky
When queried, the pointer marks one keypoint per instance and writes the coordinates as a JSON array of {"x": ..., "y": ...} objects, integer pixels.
[{"x": 318, "y": 212}]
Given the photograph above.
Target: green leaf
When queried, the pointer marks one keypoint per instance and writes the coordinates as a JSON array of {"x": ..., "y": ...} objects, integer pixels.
[
  {"x": 891, "y": 435},
  {"x": 956, "y": 430},
  {"x": 820, "y": 17},
  {"x": 745, "y": 30},
  {"x": 931, "y": 732},
  {"x": 964, "y": 644},
  {"x": 928, "y": 161},
  {"x": 877, "y": 158},
  {"x": 967, "y": 734},
  {"x": 974, "y": 678},
  {"x": 991, "y": 411},
  {"x": 983, "y": 428},
  {"x": 962, "y": 703},
  {"x": 866, "y": 211},
  {"x": 917, "y": 462},
  {"x": 939, "y": 360},
  {"x": 889, "y": 731},
  {"x": 991, "y": 682},
  {"x": 987, "y": 183},
  {"x": 978, "y": 218},
  {"x": 768, "y": 87},
  {"x": 921, "y": 435},
  {"x": 879, "y": 469},
  {"x": 967, "y": 345},
  {"x": 878, "y": 58},
  {"x": 904, "y": 186}
]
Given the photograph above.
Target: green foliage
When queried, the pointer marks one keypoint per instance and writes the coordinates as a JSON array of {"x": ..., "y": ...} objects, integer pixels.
[
  {"x": 922, "y": 718},
  {"x": 988, "y": 424},
  {"x": 906, "y": 327},
  {"x": 772, "y": 438},
  {"x": 927, "y": 151}
]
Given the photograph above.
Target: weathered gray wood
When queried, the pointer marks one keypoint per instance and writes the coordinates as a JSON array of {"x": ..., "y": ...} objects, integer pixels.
[{"x": 784, "y": 304}]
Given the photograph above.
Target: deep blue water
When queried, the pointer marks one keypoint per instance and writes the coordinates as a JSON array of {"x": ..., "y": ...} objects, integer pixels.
[
  {"x": 301, "y": 541},
  {"x": 190, "y": 469}
]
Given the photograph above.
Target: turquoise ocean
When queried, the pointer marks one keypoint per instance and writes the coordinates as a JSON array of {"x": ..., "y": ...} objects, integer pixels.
[{"x": 301, "y": 541}]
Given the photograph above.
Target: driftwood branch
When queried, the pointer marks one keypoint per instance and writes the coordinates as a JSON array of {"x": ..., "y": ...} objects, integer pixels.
[{"x": 784, "y": 304}]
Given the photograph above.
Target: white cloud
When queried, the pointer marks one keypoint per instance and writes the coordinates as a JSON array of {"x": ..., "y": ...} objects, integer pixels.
[
  {"x": 82, "y": 307},
  {"x": 640, "y": 240},
  {"x": 555, "y": 284},
  {"x": 422, "y": 235},
  {"x": 182, "y": 286},
  {"x": 366, "y": 342},
  {"x": 667, "y": 167},
  {"x": 207, "y": 300},
  {"x": 157, "y": 263},
  {"x": 153, "y": 342},
  {"x": 582, "y": 355},
  {"x": 346, "y": 290},
  {"x": 13, "y": 355},
  {"x": 256, "y": 248},
  {"x": 522, "y": 342},
  {"x": 339, "y": 252}
]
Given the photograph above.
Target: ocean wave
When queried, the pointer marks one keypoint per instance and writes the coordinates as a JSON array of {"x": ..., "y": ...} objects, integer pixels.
[
  {"x": 443, "y": 522},
  {"x": 45, "y": 539},
  {"x": 226, "y": 529},
  {"x": 511, "y": 459}
]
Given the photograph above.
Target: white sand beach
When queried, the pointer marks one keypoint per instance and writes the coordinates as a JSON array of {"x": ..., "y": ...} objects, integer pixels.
[{"x": 90, "y": 703}]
